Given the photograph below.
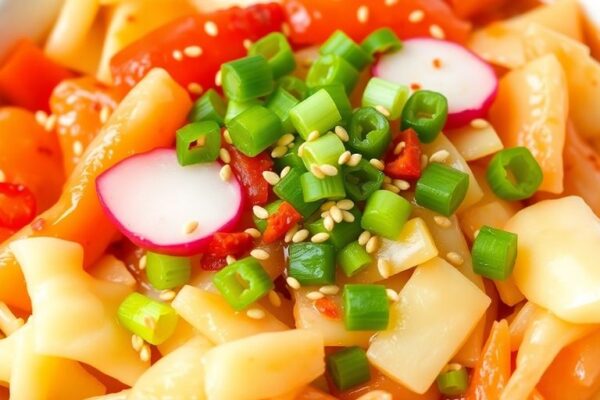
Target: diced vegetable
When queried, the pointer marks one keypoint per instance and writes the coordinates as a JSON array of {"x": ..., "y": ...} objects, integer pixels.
[
  {"x": 385, "y": 214},
  {"x": 426, "y": 113},
  {"x": 312, "y": 263},
  {"x": 388, "y": 95},
  {"x": 339, "y": 43},
  {"x": 247, "y": 78},
  {"x": 353, "y": 258},
  {"x": 404, "y": 163},
  {"x": 17, "y": 206},
  {"x": 369, "y": 133},
  {"x": 319, "y": 189},
  {"x": 198, "y": 142},
  {"x": 441, "y": 188},
  {"x": 255, "y": 129},
  {"x": 167, "y": 272},
  {"x": 135, "y": 312},
  {"x": 317, "y": 112},
  {"x": 362, "y": 180},
  {"x": 342, "y": 233},
  {"x": 276, "y": 49},
  {"x": 289, "y": 188},
  {"x": 494, "y": 253},
  {"x": 513, "y": 174},
  {"x": 453, "y": 382},
  {"x": 325, "y": 150},
  {"x": 243, "y": 282},
  {"x": 280, "y": 222},
  {"x": 475, "y": 142},
  {"x": 249, "y": 171},
  {"x": 380, "y": 41},
  {"x": 281, "y": 103},
  {"x": 366, "y": 307},
  {"x": 331, "y": 69},
  {"x": 209, "y": 107},
  {"x": 348, "y": 367}
]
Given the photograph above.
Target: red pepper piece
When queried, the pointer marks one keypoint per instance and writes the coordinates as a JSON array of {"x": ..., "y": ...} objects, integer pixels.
[
  {"x": 222, "y": 245},
  {"x": 280, "y": 222},
  {"x": 249, "y": 172},
  {"x": 328, "y": 307},
  {"x": 17, "y": 206},
  {"x": 406, "y": 164}
]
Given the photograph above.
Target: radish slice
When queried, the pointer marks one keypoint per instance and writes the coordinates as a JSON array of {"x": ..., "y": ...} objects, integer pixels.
[
  {"x": 156, "y": 202},
  {"x": 468, "y": 82}
]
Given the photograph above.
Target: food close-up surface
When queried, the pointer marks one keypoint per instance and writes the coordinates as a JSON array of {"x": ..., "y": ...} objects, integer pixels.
[{"x": 300, "y": 199}]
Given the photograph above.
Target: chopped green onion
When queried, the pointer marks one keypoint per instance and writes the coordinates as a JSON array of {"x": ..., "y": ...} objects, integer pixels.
[
  {"x": 326, "y": 149},
  {"x": 386, "y": 94},
  {"x": 494, "y": 253},
  {"x": 385, "y": 214},
  {"x": 366, "y": 307},
  {"x": 209, "y": 107},
  {"x": 361, "y": 180},
  {"x": 151, "y": 320},
  {"x": 243, "y": 282},
  {"x": 261, "y": 224},
  {"x": 167, "y": 272},
  {"x": 276, "y": 49},
  {"x": 330, "y": 69},
  {"x": 339, "y": 43},
  {"x": 425, "y": 112},
  {"x": 381, "y": 41},
  {"x": 514, "y": 174},
  {"x": 348, "y": 367},
  {"x": 198, "y": 142},
  {"x": 441, "y": 188},
  {"x": 235, "y": 108},
  {"x": 289, "y": 189},
  {"x": 281, "y": 102},
  {"x": 327, "y": 188},
  {"x": 369, "y": 133},
  {"x": 342, "y": 233},
  {"x": 312, "y": 263},
  {"x": 295, "y": 86},
  {"x": 247, "y": 78},
  {"x": 317, "y": 112},
  {"x": 453, "y": 382},
  {"x": 353, "y": 258},
  {"x": 339, "y": 96},
  {"x": 254, "y": 130},
  {"x": 291, "y": 158}
]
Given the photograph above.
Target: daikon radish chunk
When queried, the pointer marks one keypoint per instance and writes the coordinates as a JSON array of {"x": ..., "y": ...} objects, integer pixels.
[
  {"x": 111, "y": 269},
  {"x": 182, "y": 334},
  {"x": 437, "y": 311},
  {"x": 264, "y": 365},
  {"x": 8, "y": 347},
  {"x": 474, "y": 142},
  {"x": 521, "y": 320}
]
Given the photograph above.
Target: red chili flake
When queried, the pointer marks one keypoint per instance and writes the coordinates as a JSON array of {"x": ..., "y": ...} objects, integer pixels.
[
  {"x": 17, "y": 205},
  {"x": 437, "y": 63},
  {"x": 328, "y": 308},
  {"x": 415, "y": 86}
]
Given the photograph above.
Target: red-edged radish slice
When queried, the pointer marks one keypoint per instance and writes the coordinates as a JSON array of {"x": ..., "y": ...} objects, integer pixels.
[
  {"x": 468, "y": 82},
  {"x": 161, "y": 206}
]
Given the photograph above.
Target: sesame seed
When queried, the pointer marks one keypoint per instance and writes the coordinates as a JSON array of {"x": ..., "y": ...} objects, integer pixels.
[
  {"x": 344, "y": 157},
  {"x": 2, "y": 176},
  {"x": 218, "y": 78},
  {"x": 475, "y": 234},
  {"x": 260, "y": 212},
  {"x": 437, "y": 32},
  {"x": 145, "y": 353},
  {"x": 279, "y": 151},
  {"x": 336, "y": 214},
  {"x": 137, "y": 342},
  {"x": 286, "y": 139},
  {"x": 255, "y": 313},
  {"x": 376, "y": 395},
  {"x": 455, "y": 258},
  {"x": 293, "y": 282},
  {"x": 416, "y": 16},
  {"x": 260, "y": 254},
  {"x": 41, "y": 117},
  {"x": 479, "y": 123},
  {"x": 247, "y": 43},
  {"x": 316, "y": 171},
  {"x": 382, "y": 110},
  {"x": 195, "y": 88},
  {"x": 392, "y": 295},
  {"x": 362, "y": 14},
  {"x": 230, "y": 259},
  {"x": 192, "y": 51},
  {"x": 364, "y": 238},
  {"x": 190, "y": 227},
  {"x": 300, "y": 236},
  {"x": 390, "y": 3},
  {"x": 377, "y": 163},
  {"x": 227, "y": 136},
  {"x": 255, "y": 233},
  {"x": 285, "y": 28},
  {"x": 167, "y": 295},
  {"x": 328, "y": 170},
  {"x": 399, "y": 147},
  {"x": 440, "y": 156},
  {"x": 373, "y": 244},
  {"x": 271, "y": 177},
  {"x": 225, "y": 172},
  {"x": 391, "y": 188},
  {"x": 354, "y": 160},
  {"x": 325, "y": 214},
  {"x": 342, "y": 133},
  {"x": 320, "y": 237},
  {"x": 142, "y": 262},
  {"x": 442, "y": 221},
  {"x": 327, "y": 205},
  {"x": 301, "y": 149},
  {"x": 314, "y": 135},
  {"x": 348, "y": 216},
  {"x": 328, "y": 223},
  {"x": 177, "y": 55},
  {"x": 314, "y": 295},
  {"x": 211, "y": 28},
  {"x": 424, "y": 161},
  {"x": 383, "y": 266},
  {"x": 104, "y": 114},
  {"x": 345, "y": 204},
  {"x": 77, "y": 148},
  {"x": 290, "y": 233},
  {"x": 329, "y": 289},
  {"x": 401, "y": 184},
  {"x": 274, "y": 298},
  {"x": 50, "y": 123},
  {"x": 224, "y": 155},
  {"x": 286, "y": 170}
]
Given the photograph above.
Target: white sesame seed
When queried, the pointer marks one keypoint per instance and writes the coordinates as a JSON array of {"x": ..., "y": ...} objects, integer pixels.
[
  {"x": 255, "y": 313},
  {"x": 479, "y": 123},
  {"x": 329, "y": 289},
  {"x": 279, "y": 151},
  {"x": 227, "y": 136},
  {"x": 286, "y": 139},
  {"x": 424, "y": 161},
  {"x": 416, "y": 16},
  {"x": 328, "y": 170},
  {"x": 77, "y": 147},
  {"x": 475, "y": 234},
  {"x": 327, "y": 205},
  {"x": 177, "y": 55},
  {"x": 364, "y": 238},
  {"x": 290, "y": 233},
  {"x": 2, "y": 176},
  {"x": 271, "y": 177},
  {"x": 345, "y": 204},
  {"x": 382, "y": 110},
  {"x": 145, "y": 353},
  {"x": 293, "y": 282},
  {"x": 230, "y": 259},
  {"x": 137, "y": 342},
  {"x": 348, "y": 216},
  {"x": 391, "y": 188},
  {"x": 342, "y": 133},
  {"x": 344, "y": 157},
  {"x": 383, "y": 266},
  {"x": 328, "y": 223},
  {"x": 373, "y": 244},
  {"x": 354, "y": 160},
  {"x": 167, "y": 295},
  {"x": 336, "y": 214},
  {"x": 325, "y": 214},
  {"x": 376, "y": 395},
  {"x": 314, "y": 135},
  {"x": 377, "y": 163},
  {"x": 399, "y": 147},
  {"x": 314, "y": 295},
  {"x": 192, "y": 51},
  {"x": 255, "y": 233},
  {"x": 195, "y": 88},
  {"x": 260, "y": 212},
  {"x": 437, "y": 32},
  {"x": 190, "y": 227},
  {"x": 211, "y": 28},
  {"x": 286, "y": 170},
  {"x": 455, "y": 258},
  {"x": 442, "y": 221},
  {"x": 392, "y": 295},
  {"x": 247, "y": 43},
  {"x": 225, "y": 172},
  {"x": 316, "y": 171},
  {"x": 218, "y": 78},
  {"x": 224, "y": 155},
  {"x": 401, "y": 184},
  {"x": 274, "y": 298},
  {"x": 362, "y": 14},
  {"x": 440, "y": 156},
  {"x": 41, "y": 117},
  {"x": 142, "y": 262},
  {"x": 320, "y": 237},
  {"x": 390, "y": 3},
  {"x": 104, "y": 114},
  {"x": 300, "y": 236},
  {"x": 50, "y": 123},
  {"x": 260, "y": 254}
]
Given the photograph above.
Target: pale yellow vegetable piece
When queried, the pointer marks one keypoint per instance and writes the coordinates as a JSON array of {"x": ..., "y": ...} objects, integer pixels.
[
  {"x": 520, "y": 321},
  {"x": 182, "y": 334},
  {"x": 76, "y": 313},
  {"x": 333, "y": 330},
  {"x": 264, "y": 365},
  {"x": 9, "y": 323},
  {"x": 437, "y": 311},
  {"x": 177, "y": 375},
  {"x": 557, "y": 259},
  {"x": 122, "y": 395},
  {"x": 509, "y": 291},
  {"x": 8, "y": 347},
  {"x": 591, "y": 25},
  {"x": 455, "y": 160},
  {"x": 543, "y": 340},
  {"x": 110, "y": 269},
  {"x": 474, "y": 143},
  {"x": 213, "y": 317}
]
